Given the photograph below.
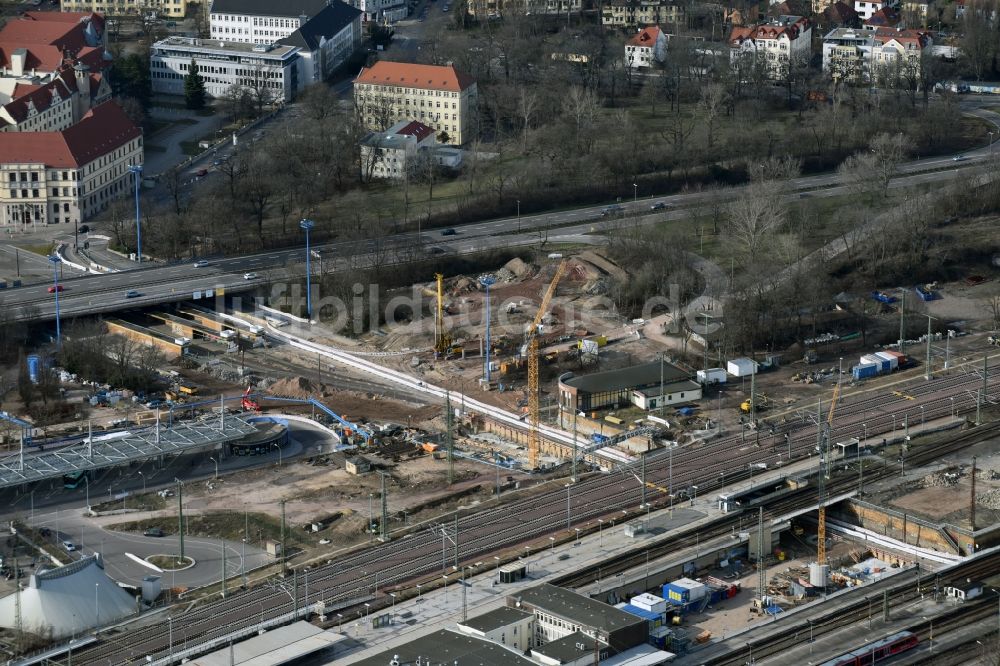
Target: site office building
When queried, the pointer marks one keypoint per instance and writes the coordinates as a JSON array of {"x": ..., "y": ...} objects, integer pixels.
[{"x": 439, "y": 96}]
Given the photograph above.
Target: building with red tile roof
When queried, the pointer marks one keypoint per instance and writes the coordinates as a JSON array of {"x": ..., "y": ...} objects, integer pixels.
[
  {"x": 67, "y": 176},
  {"x": 40, "y": 43},
  {"x": 646, "y": 47},
  {"x": 774, "y": 44},
  {"x": 441, "y": 97}
]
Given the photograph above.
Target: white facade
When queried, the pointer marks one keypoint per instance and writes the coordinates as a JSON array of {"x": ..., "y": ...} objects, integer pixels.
[
  {"x": 647, "y": 47},
  {"x": 847, "y": 54},
  {"x": 271, "y": 72},
  {"x": 776, "y": 44},
  {"x": 247, "y": 29},
  {"x": 514, "y": 633},
  {"x": 865, "y": 8}
]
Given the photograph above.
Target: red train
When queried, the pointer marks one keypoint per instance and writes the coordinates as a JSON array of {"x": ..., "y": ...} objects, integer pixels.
[{"x": 875, "y": 652}]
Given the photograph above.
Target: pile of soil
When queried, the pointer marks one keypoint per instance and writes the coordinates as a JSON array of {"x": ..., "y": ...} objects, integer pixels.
[
  {"x": 294, "y": 387},
  {"x": 519, "y": 268}
]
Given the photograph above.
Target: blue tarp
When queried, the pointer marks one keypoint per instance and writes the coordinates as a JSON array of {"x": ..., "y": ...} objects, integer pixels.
[{"x": 644, "y": 614}]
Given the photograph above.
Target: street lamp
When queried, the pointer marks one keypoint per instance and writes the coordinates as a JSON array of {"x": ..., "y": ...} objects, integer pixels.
[
  {"x": 55, "y": 290},
  {"x": 577, "y": 534},
  {"x": 307, "y": 226},
  {"x": 991, "y": 142},
  {"x": 487, "y": 281},
  {"x": 212, "y": 458},
  {"x": 136, "y": 170},
  {"x": 97, "y": 606},
  {"x": 635, "y": 193},
  {"x": 139, "y": 472},
  {"x": 568, "y": 514},
  {"x": 518, "y": 216},
  {"x": 600, "y": 532}
]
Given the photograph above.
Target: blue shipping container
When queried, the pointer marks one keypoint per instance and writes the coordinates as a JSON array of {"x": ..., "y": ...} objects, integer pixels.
[
  {"x": 865, "y": 370},
  {"x": 676, "y": 594},
  {"x": 34, "y": 364}
]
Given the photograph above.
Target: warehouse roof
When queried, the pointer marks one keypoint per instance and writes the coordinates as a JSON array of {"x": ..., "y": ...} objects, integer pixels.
[
  {"x": 495, "y": 619},
  {"x": 449, "y": 647},
  {"x": 636, "y": 376},
  {"x": 574, "y": 607},
  {"x": 674, "y": 387},
  {"x": 277, "y": 646}
]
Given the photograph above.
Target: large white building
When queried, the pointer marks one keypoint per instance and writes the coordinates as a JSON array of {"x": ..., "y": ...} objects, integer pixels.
[
  {"x": 406, "y": 146},
  {"x": 775, "y": 45},
  {"x": 271, "y": 51},
  {"x": 271, "y": 72},
  {"x": 68, "y": 176}
]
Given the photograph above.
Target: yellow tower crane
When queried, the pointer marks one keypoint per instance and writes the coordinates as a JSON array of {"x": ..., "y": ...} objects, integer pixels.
[
  {"x": 821, "y": 483},
  {"x": 534, "y": 441},
  {"x": 442, "y": 341}
]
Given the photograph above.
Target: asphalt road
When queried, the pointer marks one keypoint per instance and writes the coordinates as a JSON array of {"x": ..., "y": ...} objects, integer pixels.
[{"x": 158, "y": 283}]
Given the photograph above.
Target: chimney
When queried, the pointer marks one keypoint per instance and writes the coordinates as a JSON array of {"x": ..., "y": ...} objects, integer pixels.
[
  {"x": 303, "y": 19},
  {"x": 18, "y": 59}
]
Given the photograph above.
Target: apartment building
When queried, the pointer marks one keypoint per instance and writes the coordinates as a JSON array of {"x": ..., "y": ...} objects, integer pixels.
[
  {"x": 775, "y": 44},
  {"x": 52, "y": 106},
  {"x": 638, "y": 13},
  {"x": 646, "y": 48},
  {"x": 865, "y": 8},
  {"x": 67, "y": 176},
  {"x": 439, "y": 96},
  {"x": 164, "y": 8},
  {"x": 855, "y": 56},
  {"x": 260, "y": 21},
  {"x": 491, "y": 9}
]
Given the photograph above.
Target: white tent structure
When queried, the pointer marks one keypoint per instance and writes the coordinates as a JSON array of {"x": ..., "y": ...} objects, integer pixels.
[{"x": 68, "y": 600}]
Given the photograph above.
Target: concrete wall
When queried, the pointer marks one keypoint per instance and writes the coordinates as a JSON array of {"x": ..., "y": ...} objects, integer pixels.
[{"x": 901, "y": 526}]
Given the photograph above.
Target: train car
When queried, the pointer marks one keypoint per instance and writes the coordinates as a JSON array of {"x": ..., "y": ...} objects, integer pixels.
[{"x": 872, "y": 653}]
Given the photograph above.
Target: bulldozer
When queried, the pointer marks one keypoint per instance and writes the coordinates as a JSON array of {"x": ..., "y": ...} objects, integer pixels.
[{"x": 763, "y": 402}]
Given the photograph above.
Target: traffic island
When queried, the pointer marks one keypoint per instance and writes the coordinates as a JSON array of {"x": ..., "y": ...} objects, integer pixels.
[{"x": 171, "y": 562}]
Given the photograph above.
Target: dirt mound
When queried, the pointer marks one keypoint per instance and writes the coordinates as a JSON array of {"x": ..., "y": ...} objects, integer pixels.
[
  {"x": 519, "y": 268},
  {"x": 605, "y": 265},
  {"x": 294, "y": 387}
]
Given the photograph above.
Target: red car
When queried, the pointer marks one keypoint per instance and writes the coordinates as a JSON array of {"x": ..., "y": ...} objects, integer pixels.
[
  {"x": 53, "y": 289},
  {"x": 202, "y": 172}
]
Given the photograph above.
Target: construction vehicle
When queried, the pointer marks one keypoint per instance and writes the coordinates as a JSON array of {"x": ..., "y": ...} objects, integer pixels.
[
  {"x": 994, "y": 340},
  {"x": 763, "y": 402},
  {"x": 248, "y": 403},
  {"x": 187, "y": 389},
  {"x": 534, "y": 439}
]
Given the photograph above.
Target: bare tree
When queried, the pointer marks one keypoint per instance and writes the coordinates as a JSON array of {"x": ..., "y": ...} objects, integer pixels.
[
  {"x": 711, "y": 103},
  {"x": 527, "y": 104}
]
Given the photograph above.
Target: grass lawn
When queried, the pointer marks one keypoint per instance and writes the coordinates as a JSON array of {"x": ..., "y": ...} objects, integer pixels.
[
  {"x": 166, "y": 104},
  {"x": 44, "y": 250}
]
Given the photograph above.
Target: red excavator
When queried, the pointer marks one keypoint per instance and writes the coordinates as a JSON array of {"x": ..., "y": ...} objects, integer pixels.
[{"x": 249, "y": 404}]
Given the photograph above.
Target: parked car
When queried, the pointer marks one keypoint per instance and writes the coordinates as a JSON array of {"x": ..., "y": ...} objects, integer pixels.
[
  {"x": 959, "y": 158},
  {"x": 659, "y": 205},
  {"x": 69, "y": 546},
  {"x": 201, "y": 263},
  {"x": 612, "y": 211},
  {"x": 56, "y": 287},
  {"x": 154, "y": 532},
  {"x": 249, "y": 276},
  {"x": 83, "y": 228},
  {"x": 132, "y": 293},
  {"x": 448, "y": 232}
]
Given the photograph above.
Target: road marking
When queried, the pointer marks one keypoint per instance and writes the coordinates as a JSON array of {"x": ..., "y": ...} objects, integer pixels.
[{"x": 139, "y": 560}]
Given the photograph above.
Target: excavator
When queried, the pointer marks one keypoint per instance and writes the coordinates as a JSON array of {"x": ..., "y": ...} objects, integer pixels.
[{"x": 248, "y": 403}]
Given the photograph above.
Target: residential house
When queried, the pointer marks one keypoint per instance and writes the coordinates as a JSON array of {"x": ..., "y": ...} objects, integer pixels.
[
  {"x": 841, "y": 15},
  {"x": 887, "y": 17},
  {"x": 166, "y": 8},
  {"x": 775, "y": 45},
  {"x": 69, "y": 175},
  {"x": 856, "y": 56},
  {"x": 916, "y": 12},
  {"x": 491, "y": 9},
  {"x": 439, "y": 96},
  {"x": 639, "y": 13},
  {"x": 847, "y": 54},
  {"x": 646, "y": 48},
  {"x": 865, "y": 8}
]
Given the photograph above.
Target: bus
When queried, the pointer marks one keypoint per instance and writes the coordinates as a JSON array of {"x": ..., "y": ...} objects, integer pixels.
[{"x": 74, "y": 479}]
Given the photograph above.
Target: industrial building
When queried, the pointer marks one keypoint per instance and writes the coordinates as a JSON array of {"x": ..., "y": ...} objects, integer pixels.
[
  {"x": 560, "y": 613},
  {"x": 449, "y": 647},
  {"x": 638, "y": 385}
]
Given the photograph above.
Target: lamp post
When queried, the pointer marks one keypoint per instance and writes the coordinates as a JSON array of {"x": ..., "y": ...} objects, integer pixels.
[
  {"x": 139, "y": 472},
  {"x": 136, "y": 170},
  {"x": 307, "y": 226},
  {"x": 577, "y": 534},
  {"x": 55, "y": 290},
  {"x": 518, "y": 216},
  {"x": 212, "y": 458},
  {"x": 568, "y": 514},
  {"x": 170, "y": 633},
  {"x": 600, "y": 533},
  {"x": 635, "y": 193},
  {"x": 991, "y": 142}
]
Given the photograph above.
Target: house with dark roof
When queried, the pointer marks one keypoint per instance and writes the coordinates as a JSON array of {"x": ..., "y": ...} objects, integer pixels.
[
  {"x": 68, "y": 176},
  {"x": 404, "y": 149},
  {"x": 267, "y": 22},
  {"x": 637, "y": 384},
  {"x": 841, "y": 15},
  {"x": 326, "y": 40},
  {"x": 440, "y": 96}
]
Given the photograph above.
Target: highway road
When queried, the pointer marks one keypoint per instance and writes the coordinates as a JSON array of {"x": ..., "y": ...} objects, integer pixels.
[
  {"x": 365, "y": 575},
  {"x": 158, "y": 283}
]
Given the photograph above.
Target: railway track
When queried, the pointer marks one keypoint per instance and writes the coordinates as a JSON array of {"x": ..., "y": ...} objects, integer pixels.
[
  {"x": 898, "y": 593},
  {"x": 361, "y": 574}
]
